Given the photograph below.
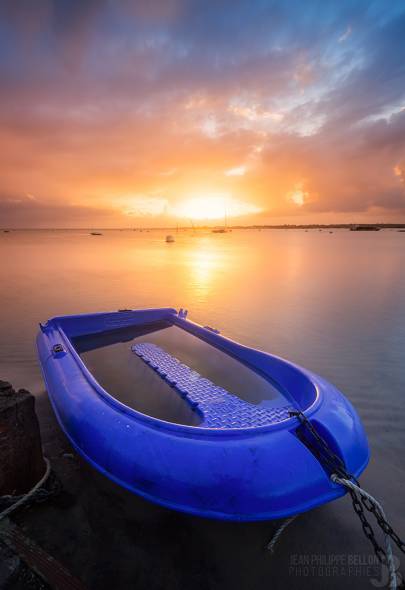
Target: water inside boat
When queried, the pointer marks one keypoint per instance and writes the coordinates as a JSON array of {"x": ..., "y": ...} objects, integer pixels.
[{"x": 109, "y": 357}]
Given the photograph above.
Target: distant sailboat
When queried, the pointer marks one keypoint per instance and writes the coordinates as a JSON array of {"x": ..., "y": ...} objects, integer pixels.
[{"x": 224, "y": 229}]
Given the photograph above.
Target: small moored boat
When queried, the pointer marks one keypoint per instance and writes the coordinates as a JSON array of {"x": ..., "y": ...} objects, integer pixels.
[
  {"x": 365, "y": 227},
  {"x": 192, "y": 420}
]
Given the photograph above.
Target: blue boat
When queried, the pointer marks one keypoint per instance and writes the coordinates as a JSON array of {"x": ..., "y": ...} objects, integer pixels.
[{"x": 192, "y": 420}]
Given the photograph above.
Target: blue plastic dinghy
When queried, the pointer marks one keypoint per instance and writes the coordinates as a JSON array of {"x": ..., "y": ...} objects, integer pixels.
[{"x": 192, "y": 420}]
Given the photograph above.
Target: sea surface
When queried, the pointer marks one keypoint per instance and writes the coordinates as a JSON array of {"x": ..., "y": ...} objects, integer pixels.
[{"x": 333, "y": 302}]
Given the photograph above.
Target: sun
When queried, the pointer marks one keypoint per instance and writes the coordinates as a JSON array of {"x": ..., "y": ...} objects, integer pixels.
[
  {"x": 213, "y": 207},
  {"x": 198, "y": 208}
]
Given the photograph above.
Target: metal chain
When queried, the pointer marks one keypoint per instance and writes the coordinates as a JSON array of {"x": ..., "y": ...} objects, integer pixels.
[
  {"x": 335, "y": 465},
  {"x": 383, "y": 523},
  {"x": 331, "y": 459},
  {"x": 367, "y": 528}
]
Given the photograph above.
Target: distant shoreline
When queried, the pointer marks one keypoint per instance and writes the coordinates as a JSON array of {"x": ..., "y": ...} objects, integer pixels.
[{"x": 210, "y": 227}]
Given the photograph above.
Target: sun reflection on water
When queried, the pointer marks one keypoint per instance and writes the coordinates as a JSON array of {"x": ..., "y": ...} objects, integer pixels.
[{"x": 205, "y": 264}]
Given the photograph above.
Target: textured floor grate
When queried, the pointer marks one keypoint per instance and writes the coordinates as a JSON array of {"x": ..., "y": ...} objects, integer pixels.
[{"x": 219, "y": 408}]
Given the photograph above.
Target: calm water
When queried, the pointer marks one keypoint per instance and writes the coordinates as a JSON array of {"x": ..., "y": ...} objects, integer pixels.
[
  {"x": 334, "y": 303},
  {"x": 129, "y": 379}
]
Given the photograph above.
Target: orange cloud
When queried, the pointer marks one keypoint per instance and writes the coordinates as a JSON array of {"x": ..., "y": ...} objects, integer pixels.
[{"x": 144, "y": 115}]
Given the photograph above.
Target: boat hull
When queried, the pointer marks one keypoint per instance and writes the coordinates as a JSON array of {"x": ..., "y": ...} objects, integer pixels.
[{"x": 242, "y": 474}]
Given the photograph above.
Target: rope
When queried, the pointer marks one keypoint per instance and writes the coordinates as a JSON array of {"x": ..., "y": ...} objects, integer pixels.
[
  {"x": 29, "y": 494},
  {"x": 273, "y": 541},
  {"x": 390, "y": 561}
]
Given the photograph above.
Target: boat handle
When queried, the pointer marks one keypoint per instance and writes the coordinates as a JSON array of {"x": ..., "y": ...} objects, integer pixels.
[{"x": 58, "y": 350}]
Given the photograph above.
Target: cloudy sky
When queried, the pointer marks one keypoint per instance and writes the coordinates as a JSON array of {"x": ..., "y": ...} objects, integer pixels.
[{"x": 131, "y": 113}]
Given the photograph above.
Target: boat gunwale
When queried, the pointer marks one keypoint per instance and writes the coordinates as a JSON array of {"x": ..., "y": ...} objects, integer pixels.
[{"x": 214, "y": 340}]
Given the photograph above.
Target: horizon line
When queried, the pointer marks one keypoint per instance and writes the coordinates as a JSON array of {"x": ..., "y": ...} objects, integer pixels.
[{"x": 199, "y": 227}]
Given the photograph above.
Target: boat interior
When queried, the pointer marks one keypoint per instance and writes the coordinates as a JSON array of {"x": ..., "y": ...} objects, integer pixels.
[{"x": 167, "y": 370}]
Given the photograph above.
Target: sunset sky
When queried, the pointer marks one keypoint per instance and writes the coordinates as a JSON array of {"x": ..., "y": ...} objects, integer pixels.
[{"x": 117, "y": 114}]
